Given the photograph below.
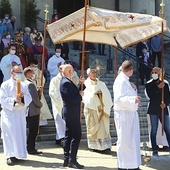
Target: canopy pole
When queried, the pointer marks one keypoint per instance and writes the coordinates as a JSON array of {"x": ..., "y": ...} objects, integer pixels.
[
  {"x": 162, "y": 67},
  {"x": 115, "y": 63},
  {"x": 83, "y": 43},
  {"x": 83, "y": 51},
  {"x": 44, "y": 45}
]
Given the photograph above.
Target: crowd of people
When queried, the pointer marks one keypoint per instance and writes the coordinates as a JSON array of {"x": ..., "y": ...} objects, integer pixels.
[{"x": 23, "y": 103}]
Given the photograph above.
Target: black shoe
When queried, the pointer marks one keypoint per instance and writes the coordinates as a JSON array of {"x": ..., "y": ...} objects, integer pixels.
[
  {"x": 65, "y": 164},
  {"x": 62, "y": 142},
  {"x": 35, "y": 152},
  {"x": 57, "y": 142},
  {"x": 9, "y": 162},
  {"x": 164, "y": 149},
  {"x": 14, "y": 159},
  {"x": 75, "y": 165},
  {"x": 114, "y": 144},
  {"x": 155, "y": 153}
]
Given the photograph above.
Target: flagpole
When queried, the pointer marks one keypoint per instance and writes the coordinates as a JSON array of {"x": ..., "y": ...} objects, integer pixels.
[{"x": 162, "y": 66}]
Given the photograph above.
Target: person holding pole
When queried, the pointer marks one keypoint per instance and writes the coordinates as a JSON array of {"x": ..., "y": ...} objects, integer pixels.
[
  {"x": 153, "y": 91},
  {"x": 14, "y": 99},
  {"x": 71, "y": 97}
]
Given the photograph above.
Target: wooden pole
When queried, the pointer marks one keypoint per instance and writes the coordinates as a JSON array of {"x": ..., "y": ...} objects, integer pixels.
[
  {"x": 162, "y": 66},
  {"x": 83, "y": 51},
  {"x": 115, "y": 62},
  {"x": 43, "y": 57},
  {"x": 44, "y": 45},
  {"x": 162, "y": 74},
  {"x": 84, "y": 37}
]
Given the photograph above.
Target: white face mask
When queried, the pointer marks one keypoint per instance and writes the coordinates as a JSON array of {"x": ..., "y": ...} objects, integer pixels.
[
  {"x": 58, "y": 54},
  {"x": 18, "y": 76},
  {"x": 155, "y": 76},
  {"x": 33, "y": 77},
  {"x": 34, "y": 68},
  {"x": 12, "y": 52}
]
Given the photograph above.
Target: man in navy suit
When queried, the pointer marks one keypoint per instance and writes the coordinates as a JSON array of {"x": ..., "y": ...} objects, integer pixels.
[{"x": 71, "y": 97}]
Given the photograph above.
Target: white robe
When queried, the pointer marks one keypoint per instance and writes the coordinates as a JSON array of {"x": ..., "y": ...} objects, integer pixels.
[
  {"x": 53, "y": 64},
  {"x": 127, "y": 123},
  {"x": 57, "y": 104},
  {"x": 97, "y": 121},
  {"x": 6, "y": 65},
  {"x": 13, "y": 120}
]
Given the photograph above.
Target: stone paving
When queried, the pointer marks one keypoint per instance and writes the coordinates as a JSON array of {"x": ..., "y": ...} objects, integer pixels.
[{"x": 52, "y": 158}]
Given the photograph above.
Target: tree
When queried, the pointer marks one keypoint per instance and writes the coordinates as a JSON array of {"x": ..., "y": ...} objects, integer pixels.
[
  {"x": 5, "y": 8},
  {"x": 31, "y": 13}
]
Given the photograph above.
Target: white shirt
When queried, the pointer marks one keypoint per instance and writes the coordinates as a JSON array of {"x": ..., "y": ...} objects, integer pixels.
[
  {"x": 6, "y": 65},
  {"x": 53, "y": 64}
]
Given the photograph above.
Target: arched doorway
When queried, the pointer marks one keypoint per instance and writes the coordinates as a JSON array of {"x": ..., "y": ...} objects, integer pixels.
[{"x": 65, "y": 7}]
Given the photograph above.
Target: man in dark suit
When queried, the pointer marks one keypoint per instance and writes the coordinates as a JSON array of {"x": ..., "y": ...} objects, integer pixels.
[
  {"x": 33, "y": 112},
  {"x": 71, "y": 97},
  {"x": 153, "y": 92}
]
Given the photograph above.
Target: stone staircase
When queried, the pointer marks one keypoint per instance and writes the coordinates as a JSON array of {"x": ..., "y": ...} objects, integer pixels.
[{"x": 48, "y": 132}]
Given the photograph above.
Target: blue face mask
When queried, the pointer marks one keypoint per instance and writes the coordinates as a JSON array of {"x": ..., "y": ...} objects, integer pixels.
[
  {"x": 38, "y": 44},
  {"x": 144, "y": 51}
]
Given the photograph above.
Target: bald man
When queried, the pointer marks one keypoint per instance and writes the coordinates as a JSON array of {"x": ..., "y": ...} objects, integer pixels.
[
  {"x": 71, "y": 98},
  {"x": 153, "y": 91}
]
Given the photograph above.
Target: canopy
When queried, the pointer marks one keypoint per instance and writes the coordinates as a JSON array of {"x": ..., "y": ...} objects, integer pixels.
[{"x": 106, "y": 27}]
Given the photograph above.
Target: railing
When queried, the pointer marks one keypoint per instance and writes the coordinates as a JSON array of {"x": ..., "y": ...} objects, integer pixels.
[
  {"x": 40, "y": 19},
  {"x": 132, "y": 56}
]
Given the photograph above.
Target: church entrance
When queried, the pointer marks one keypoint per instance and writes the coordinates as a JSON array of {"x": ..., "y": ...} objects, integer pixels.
[{"x": 65, "y": 7}]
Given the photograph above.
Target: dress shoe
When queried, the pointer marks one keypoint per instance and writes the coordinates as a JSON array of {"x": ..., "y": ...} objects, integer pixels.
[
  {"x": 155, "y": 153},
  {"x": 9, "y": 162},
  {"x": 75, "y": 165},
  {"x": 14, "y": 159},
  {"x": 65, "y": 164},
  {"x": 35, "y": 152}
]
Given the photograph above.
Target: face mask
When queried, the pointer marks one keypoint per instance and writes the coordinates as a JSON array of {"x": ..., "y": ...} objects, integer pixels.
[
  {"x": 34, "y": 68},
  {"x": 144, "y": 51},
  {"x": 155, "y": 76},
  {"x": 6, "y": 17},
  {"x": 33, "y": 77},
  {"x": 38, "y": 44},
  {"x": 8, "y": 36},
  {"x": 18, "y": 76},
  {"x": 58, "y": 54},
  {"x": 12, "y": 52}
]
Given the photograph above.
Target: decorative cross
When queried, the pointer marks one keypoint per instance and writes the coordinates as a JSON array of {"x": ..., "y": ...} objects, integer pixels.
[
  {"x": 46, "y": 11},
  {"x": 132, "y": 17}
]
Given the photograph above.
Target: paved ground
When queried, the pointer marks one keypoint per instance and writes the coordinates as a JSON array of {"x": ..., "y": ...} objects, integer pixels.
[{"x": 52, "y": 158}]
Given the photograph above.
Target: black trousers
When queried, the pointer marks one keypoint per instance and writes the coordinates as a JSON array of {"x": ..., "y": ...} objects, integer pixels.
[
  {"x": 33, "y": 124},
  {"x": 72, "y": 140},
  {"x": 158, "y": 54}
]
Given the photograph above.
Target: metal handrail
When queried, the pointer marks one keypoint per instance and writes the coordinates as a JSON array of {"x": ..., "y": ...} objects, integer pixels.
[{"x": 132, "y": 56}]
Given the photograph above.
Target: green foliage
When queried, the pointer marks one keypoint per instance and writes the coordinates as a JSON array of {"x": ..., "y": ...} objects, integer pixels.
[
  {"x": 31, "y": 13},
  {"x": 5, "y": 7}
]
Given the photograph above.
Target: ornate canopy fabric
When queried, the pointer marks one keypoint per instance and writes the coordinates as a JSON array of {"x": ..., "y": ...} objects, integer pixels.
[{"x": 107, "y": 27}]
